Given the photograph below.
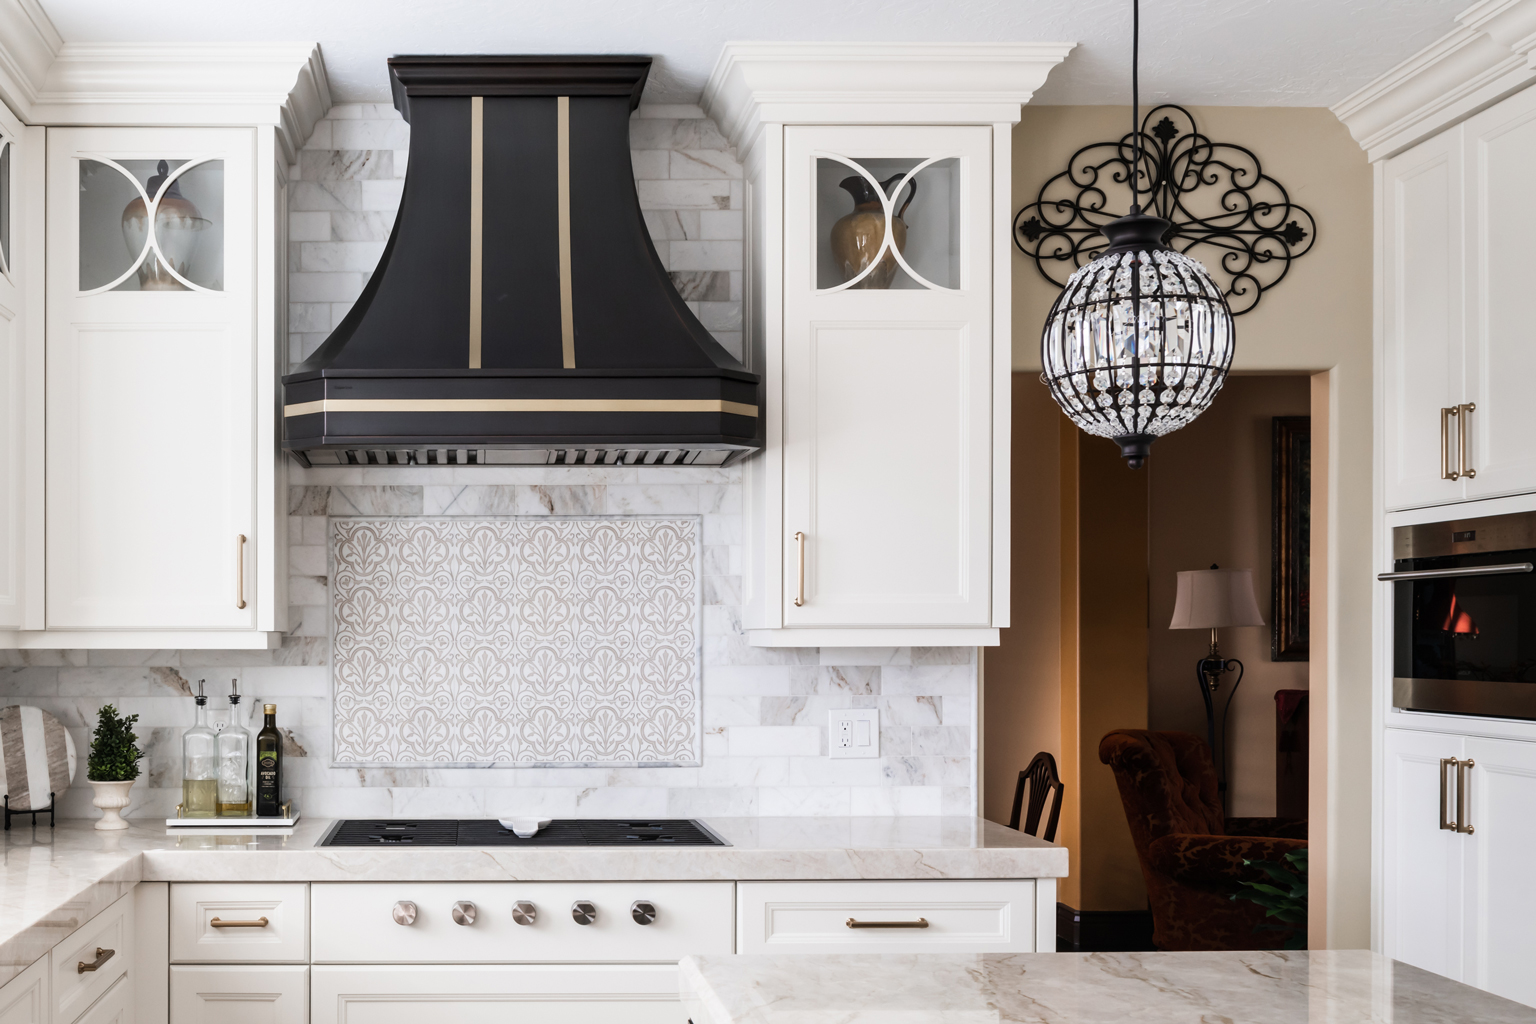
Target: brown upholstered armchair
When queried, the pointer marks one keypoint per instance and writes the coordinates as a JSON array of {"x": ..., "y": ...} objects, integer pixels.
[{"x": 1191, "y": 854}]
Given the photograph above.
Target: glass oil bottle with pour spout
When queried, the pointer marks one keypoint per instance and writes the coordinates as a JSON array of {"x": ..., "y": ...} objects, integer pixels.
[
  {"x": 199, "y": 764},
  {"x": 234, "y": 743}
]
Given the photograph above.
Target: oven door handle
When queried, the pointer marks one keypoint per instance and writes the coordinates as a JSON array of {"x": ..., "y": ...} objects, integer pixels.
[{"x": 1471, "y": 570}]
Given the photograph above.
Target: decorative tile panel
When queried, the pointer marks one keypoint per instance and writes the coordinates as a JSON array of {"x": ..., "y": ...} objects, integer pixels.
[{"x": 529, "y": 641}]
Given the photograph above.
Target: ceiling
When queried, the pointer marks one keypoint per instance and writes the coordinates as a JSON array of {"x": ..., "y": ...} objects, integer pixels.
[{"x": 1227, "y": 52}]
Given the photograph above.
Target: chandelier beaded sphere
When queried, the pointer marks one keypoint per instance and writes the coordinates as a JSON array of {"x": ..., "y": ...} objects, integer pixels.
[{"x": 1140, "y": 340}]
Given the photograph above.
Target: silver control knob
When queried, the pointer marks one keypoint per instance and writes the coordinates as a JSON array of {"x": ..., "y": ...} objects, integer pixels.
[
  {"x": 463, "y": 912},
  {"x": 583, "y": 912},
  {"x": 404, "y": 913},
  {"x": 643, "y": 911},
  {"x": 524, "y": 912}
]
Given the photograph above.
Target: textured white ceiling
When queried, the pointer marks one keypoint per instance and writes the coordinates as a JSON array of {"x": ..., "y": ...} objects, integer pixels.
[{"x": 1228, "y": 52}]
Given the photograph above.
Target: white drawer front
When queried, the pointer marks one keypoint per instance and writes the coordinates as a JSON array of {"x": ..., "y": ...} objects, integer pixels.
[
  {"x": 221, "y": 922},
  {"x": 116, "y": 1007},
  {"x": 956, "y": 917},
  {"x": 111, "y": 932},
  {"x": 353, "y": 923},
  {"x": 251, "y": 994},
  {"x": 24, "y": 999},
  {"x": 547, "y": 994}
]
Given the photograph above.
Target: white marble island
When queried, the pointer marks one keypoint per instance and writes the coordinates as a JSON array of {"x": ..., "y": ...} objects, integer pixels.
[{"x": 1271, "y": 987}]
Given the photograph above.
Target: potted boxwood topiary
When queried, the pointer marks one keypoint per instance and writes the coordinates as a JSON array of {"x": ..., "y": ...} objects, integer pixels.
[{"x": 113, "y": 766}]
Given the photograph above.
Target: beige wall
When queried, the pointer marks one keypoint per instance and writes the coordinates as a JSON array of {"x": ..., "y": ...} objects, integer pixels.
[
  {"x": 1319, "y": 319},
  {"x": 1210, "y": 502}
]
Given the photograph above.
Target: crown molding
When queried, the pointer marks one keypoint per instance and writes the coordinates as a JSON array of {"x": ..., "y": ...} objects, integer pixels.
[
  {"x": 754, "y": 84},
  {"x": 46, "y": 81},
  {"x": 1490, "y": 54}
]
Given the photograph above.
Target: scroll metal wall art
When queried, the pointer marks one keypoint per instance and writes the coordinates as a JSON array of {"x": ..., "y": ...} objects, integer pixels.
[
  {"x": 516, "y": 641},
  {"x": 1225, "y": 211}
]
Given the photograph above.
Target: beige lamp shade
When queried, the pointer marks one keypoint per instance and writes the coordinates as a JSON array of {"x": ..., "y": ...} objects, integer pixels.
[{"x": 1215, "y": 598}]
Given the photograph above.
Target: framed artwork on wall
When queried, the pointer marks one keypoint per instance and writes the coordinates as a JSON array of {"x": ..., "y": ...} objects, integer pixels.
[{"x": 1291, "y": 563}]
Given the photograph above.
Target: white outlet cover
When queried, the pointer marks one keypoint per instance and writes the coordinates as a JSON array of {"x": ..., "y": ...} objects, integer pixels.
[{"x": 853, "y": 732}]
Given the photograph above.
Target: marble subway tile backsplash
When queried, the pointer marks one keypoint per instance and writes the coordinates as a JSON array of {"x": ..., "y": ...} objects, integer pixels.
[{"x": 763, "y": 710}]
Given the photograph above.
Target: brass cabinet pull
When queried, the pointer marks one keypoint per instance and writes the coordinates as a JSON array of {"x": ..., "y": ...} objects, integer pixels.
[
  {"x": 800, "y": 592},
  {"x": 1463, "y": 428},
  {"x": 1446, "y": 472},
  {"x": 1463, "y": 787},
  {"x": 921, "y": 922},
  {"x": 1445, "y": 824},
  {"x": 240, "y": 572},
  {"x": 260, "y": 922},
  {"x": 102, "y": 956}
]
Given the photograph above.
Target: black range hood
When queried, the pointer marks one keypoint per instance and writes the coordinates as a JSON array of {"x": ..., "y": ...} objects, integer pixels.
[{"x": 519, "y": 313}]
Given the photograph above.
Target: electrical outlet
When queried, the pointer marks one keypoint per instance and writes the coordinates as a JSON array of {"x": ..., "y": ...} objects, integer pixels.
[{"x": 853, "y": 732}]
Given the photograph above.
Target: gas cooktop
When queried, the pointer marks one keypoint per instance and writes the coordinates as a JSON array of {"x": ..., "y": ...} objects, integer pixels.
[{"x": 489, "y": 832}]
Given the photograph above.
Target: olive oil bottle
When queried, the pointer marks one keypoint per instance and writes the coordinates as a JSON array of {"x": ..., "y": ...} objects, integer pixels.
[
  {"x": 199, "y": 764},
  {"x": 269, "y": 766}
]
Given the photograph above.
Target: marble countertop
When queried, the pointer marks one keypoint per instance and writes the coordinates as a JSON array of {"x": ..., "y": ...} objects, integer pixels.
[
  {"x": 1271, "y": 987},
  {"x": 52, "y": 880}
]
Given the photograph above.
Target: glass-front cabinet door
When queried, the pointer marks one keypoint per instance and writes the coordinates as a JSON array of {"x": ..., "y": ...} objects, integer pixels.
[
  {"x": 887, "y": 375},
  {"x": 150, "y": 441}
]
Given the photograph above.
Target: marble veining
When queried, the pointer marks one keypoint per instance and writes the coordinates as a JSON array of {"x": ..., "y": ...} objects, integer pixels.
[
  {"x": 1265, "y": 987},
  {"x": 516, "y": 641}
]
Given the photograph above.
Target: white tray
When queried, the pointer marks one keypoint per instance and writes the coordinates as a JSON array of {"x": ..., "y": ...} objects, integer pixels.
[{"x": 231, "y": 823}]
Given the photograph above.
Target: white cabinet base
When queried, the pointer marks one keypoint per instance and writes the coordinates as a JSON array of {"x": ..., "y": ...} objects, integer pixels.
[
  {"x": 248, "y": 994},
  {"x": 24, "y": 999},
  {"x": 553, "y": 994}
]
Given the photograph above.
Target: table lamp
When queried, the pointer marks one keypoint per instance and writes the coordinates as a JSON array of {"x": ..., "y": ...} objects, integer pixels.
[{"x": 1212, "y": 599}]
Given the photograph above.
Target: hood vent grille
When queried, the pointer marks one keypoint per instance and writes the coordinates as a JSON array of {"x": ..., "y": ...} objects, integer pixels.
[
  {"x": 515, "y": 457},
  {"x": 519, "y": 314}
]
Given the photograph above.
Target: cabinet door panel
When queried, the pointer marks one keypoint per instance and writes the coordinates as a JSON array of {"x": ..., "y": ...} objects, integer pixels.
[
  {"x": 21, "y": 374},
  {"x": 888, "y": 391},
  {"x": 1500, "y": 887},
  {"x": 150, "y": 439},
  {"x": 239, "y": 995},
  {"x": 1422, "y": 261},
  {"x": 24, "y": 999},
  {"x": 116, "y": 1007},
  {"x": 554, "y": 994},
  {"x": 1501, "y": 347},
  {"x": 1421, "y": 863}
]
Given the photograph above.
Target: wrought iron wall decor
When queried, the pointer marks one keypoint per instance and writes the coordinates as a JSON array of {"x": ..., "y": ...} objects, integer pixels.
[{"x": 1215, "y": 194}]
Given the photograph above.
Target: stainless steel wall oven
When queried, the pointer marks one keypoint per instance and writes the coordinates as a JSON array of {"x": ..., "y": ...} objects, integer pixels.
[{"x": 1464, "y": 616}]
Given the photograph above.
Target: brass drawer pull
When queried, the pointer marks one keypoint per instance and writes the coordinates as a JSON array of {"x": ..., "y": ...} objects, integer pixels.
[
  {"x": 800, "y": 592},
  {"x": 1446, "y": 825},
  {"x": 260, "y": 922},
  {"x": 1463, "y": 796},
  {"x": 240, "y": 571},
  {"x": 1463, "y": 428},
  {"x": 921, "y": 922},
  {"x": 1446, "y": 472},
  {"x": 102, "y": 956}
]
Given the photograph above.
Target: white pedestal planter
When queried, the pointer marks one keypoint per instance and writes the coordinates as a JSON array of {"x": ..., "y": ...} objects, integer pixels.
[{"x": 111, "y": 797}]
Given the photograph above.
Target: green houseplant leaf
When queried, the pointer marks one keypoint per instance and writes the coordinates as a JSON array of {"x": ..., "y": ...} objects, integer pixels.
[
  {"x": 114, "y": 749},
  {"x": 1283, "y": 897}
]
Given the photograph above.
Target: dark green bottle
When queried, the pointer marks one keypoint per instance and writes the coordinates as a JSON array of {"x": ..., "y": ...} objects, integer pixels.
[{"x": 269, "y": 766}]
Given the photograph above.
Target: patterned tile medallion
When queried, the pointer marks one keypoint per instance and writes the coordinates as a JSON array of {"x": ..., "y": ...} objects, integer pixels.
[{"x": 516, "y": 641}]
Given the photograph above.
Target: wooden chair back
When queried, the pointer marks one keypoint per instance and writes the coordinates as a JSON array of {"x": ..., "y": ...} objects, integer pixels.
[{"x": 1043, "y": 783}]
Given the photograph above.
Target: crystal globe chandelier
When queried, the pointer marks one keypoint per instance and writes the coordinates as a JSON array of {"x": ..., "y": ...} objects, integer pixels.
[{"x": 1140, "y": 340}]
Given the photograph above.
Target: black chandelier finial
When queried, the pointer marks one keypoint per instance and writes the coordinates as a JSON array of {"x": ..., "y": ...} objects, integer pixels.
[{"x": 1216, "y": 196}]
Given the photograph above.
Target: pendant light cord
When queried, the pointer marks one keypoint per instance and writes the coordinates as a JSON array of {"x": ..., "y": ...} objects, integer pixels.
[{"x": 1135, "y": 105}]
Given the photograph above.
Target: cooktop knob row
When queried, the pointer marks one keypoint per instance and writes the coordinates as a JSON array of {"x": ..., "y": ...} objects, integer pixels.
[{"x": 525, "y": 913}]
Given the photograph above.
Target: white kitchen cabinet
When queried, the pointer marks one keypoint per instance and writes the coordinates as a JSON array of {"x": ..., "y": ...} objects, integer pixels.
[
  {"x": 151, "y": 516},
  {"x": 142, "y": 490},
  {"x": 247, "y": 994},
  {"x": 22, "y": 159},
  {"x": 1460, "y": 903},
  {"x": 544, "y": 994},
  {"x": 91, "y": 960},
  {"x": 1459, "y": 355},
  {"x": 239, "y": 922},
  {"x": 24, "y": 999},
  {"x": 916, "y": 916},
  {"x": 877, "y": 512},
  {"x": 115, "y": 1007}
]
